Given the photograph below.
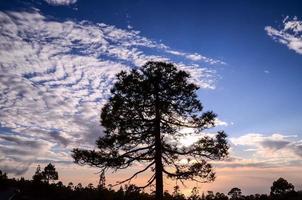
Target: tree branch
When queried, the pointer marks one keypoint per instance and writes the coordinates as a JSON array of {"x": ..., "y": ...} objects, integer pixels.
[{"x": 134, "y": 175}]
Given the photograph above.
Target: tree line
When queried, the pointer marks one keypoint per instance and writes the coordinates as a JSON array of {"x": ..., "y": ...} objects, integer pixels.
[{"x": 45, "y": 186}]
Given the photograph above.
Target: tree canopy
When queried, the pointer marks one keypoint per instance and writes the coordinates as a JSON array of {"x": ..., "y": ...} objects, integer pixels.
[
  {"x": 144, "y": 119},
  {"x": 48, "y": 174},
  {"x": 235, "y": 193},
  {"x": 281, "y": 186},
  {"x": 38, "y": 176}
]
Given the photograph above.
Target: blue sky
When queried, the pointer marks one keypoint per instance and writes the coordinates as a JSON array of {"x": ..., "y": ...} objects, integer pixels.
[{"x": 58, "y": 59}]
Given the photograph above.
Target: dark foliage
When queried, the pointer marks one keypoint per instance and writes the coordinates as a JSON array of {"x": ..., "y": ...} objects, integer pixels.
[
  {"x": 38, "y": 176},
  {"x": 235, "y": 193},
  {"x": 49, "y": 174},
  {"x": 281, "y": 187},
  {"x": 32, "y": 190},
  {"x": 142, "y": 120}
]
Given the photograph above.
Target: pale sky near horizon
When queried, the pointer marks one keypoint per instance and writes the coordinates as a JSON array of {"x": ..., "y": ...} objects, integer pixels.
[{"x": 58, "y": 59}]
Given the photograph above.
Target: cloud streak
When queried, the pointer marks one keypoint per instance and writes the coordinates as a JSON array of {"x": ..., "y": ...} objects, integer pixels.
[
  {"x": 276, "y": 150},
  {"x": 61, "y": 2}
]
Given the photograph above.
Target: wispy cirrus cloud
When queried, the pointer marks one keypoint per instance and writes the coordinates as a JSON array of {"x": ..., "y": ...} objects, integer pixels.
[
  {"x": 196, "y": 57},
  {"x": 265, "y": 151},
  {"x": 61, "y": 2},
  {"x": 290, "y": 34},
  {"x": 55, "y": 75}
]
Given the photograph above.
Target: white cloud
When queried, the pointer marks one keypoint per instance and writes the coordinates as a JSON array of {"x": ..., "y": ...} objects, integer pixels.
[
  {"x": 267, "y": 150},
  {"x": 290, "y": 35},
  {"x": 195, "y": 57},
  {"x": 254, "y": 139},
  {"x": 61, "y": 2},
  {"x": 219, "y": 122},
  {"x": 190, "y": 136},
  {"x": 55, "y": 76}
]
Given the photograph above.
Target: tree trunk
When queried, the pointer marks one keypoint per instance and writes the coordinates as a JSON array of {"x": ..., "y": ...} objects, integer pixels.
[
  {"x": 158, "y": 152},
  {"x": 158, "y": 169}
]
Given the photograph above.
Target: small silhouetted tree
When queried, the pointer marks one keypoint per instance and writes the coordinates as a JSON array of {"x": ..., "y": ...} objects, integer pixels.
[
  {"x": 264, "y": 197},
  {"x": 70, "y": 186},
  {"x": 90, "y": 186},
  {"x": 281, "y": 186},
  {"x": 102, "y": 181},
  {"x": 210, "y": 195},
  {"x": 3, "y": 180},
  {"x": 143, "y": 120},
  {"x": 132, "y": 192},
  {"x": 235, "y": 193},
  {"x": 3, "y": 176},
  {"x": 50, "y": 173},
  {"x": 120, "y": 193},
  {"x": 203, "y": 196},
  {"x": 38, "y": 176},
  {"x": 60, "y": 184},
  {"x": 78, "y": 187},
  {"x": 194, "y": 194},
  {"x": 220, "y": 196},
  {"x": 177, "y": 195}
]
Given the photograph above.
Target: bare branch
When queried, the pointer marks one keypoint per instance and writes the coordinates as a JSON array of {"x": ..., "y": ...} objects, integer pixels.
[
  {"x": 134, "y": 175},
  {"x": 149, "y": 182}
]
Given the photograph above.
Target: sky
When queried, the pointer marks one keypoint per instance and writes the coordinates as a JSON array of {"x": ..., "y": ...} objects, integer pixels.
[{"x": 58, "y": 60}]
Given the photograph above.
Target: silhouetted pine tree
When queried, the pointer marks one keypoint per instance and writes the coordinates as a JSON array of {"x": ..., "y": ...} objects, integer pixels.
[{"x": 143, "y": 120}]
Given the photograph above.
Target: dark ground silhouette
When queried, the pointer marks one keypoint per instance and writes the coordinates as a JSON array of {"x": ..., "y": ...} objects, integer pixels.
[{"x": 21, "y": 189}]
